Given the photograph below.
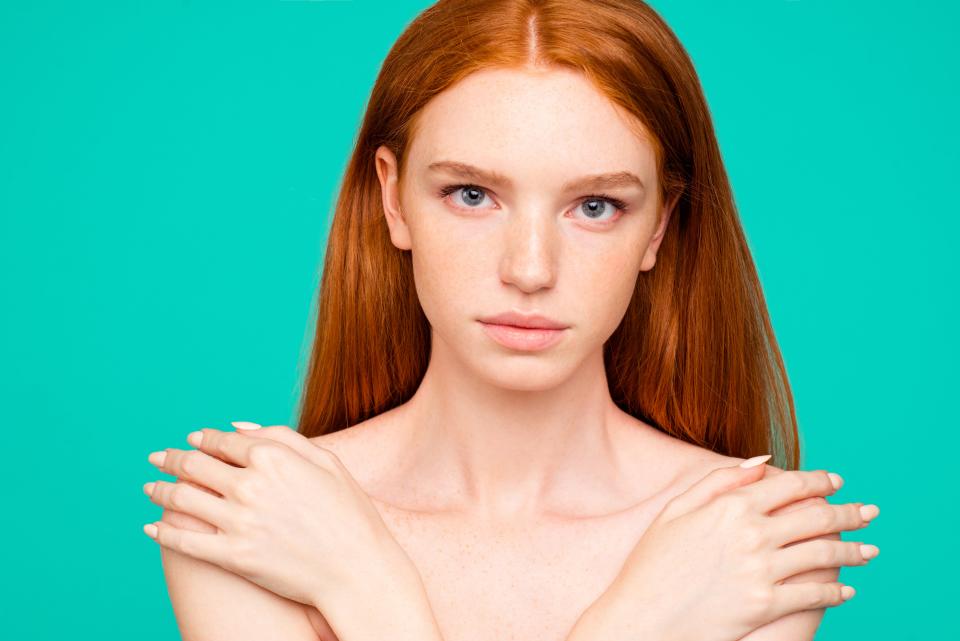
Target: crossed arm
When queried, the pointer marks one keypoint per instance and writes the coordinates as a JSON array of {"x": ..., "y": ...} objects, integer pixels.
[{"x": 213, "y": 604}]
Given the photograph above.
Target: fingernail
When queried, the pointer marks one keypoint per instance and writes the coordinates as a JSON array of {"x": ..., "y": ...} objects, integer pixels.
[
  {"x": 836, "y": 479},
  {"x": 157, "y": 458},
  {"x": 847, "y": 592},
  {"x": 245, "y": 425},
  {"x": 150, "y": 530},
  {"x": 148, "y": 488},
  {"x": 869, "y": 512},
  {"x": 869, "y": 551},
  {"x": 195, "y": 438},
  {"x": 756, "y": 460}
]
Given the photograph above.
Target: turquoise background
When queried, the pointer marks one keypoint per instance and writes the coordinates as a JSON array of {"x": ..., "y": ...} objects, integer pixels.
[{"x": 167, "y": 171}]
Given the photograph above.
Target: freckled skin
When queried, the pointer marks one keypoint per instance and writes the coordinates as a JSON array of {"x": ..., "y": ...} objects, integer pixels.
[
  {"x": 525, "y": 578},
  {"x": 511, "y": 479}
]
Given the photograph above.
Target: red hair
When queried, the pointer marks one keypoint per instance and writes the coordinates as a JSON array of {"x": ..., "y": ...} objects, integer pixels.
[{"x": 695, "y": 354}]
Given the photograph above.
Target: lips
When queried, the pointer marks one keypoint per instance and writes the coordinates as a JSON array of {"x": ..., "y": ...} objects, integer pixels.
[
  {"x": 529, "y": 321},
  {"x": 523, "y": 332}
]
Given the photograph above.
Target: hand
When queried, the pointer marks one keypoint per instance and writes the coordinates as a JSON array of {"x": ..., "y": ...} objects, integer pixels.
[
  {"x": 712, "y": 564},
  {"x": 288, "y": 514}
]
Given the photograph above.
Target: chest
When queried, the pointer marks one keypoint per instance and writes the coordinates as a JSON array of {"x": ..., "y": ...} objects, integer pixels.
[{"x": 530, "y": 582}]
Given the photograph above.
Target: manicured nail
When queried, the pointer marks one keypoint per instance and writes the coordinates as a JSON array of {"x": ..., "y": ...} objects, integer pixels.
[
  {"x": 869, "y": 512},
  {"x": 148, "y": 488},
  {"x": 157, "y": 458},
  {"x": 150, "y": 530},
  {"x": 245, "y": 425},
  {"x": 869, "y": 551},
  {"x": 836, "y": 479},
  {"x": 195, "y": 438},
  {"x": 847, "y": 592},
  {"x": 756, "y": 460}
]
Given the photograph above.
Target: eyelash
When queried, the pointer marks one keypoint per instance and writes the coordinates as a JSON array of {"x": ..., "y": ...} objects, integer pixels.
[{"x": 616, "y": 202}]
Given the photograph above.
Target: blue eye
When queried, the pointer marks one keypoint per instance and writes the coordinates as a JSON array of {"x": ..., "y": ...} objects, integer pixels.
[
  {"x": 473, "y": 192},
  {"x": 597, "y": 204},
  {"x": 605, "y": 203}
]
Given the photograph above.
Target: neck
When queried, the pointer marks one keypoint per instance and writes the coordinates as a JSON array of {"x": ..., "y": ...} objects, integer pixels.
[{"x": 505, "y": 453}]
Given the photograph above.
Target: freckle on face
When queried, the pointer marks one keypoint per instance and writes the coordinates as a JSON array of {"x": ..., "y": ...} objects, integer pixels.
[{"x": 537, "y": 133}]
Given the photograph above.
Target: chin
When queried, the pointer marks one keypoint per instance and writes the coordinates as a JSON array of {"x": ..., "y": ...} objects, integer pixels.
[{"x": 521, "y": 372}]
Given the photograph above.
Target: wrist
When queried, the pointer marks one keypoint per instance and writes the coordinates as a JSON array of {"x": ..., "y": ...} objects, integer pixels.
[
  {"x": 619, "y": 614},
  {"x": 387, "y": 601}
]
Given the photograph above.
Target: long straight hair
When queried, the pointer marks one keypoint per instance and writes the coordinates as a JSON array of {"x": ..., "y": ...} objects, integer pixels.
[{"x": 695, "y": 354}]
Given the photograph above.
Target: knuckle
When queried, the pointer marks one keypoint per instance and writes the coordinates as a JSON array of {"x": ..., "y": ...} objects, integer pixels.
[
  {"x": 825, "y": 515},
  {"x": 826, "y": 553},
  {"x": 273, "y": 431},
  {"x": 733, "y": 503},
  {"x": 183, "y": 544},
  {"x": 814, "y": 599},
  {"x": 759, "y": 602},
  {"x": 247, "y": 490},
  {"x": 795, "y": 481},
  {"x": 832, "y": 595},
  {"x": 175, "y": 498},
  {"x": 188, "y": 462},
  {"x": 213, "y": 441},
  {"x": 265, "y": 453},
  {"x": 752, "y": 538}
]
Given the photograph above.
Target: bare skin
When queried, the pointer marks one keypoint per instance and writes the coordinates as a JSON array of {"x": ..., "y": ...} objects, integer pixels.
[
  {"x": 530, "y": 576},
  {"x": 511, "y": 479}
]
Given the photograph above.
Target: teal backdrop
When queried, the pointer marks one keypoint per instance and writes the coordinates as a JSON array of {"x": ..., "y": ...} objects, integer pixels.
[{"x": 167, "y": 171}]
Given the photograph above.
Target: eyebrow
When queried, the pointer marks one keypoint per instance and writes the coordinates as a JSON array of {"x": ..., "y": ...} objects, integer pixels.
[{"x": 594, "y": 181}]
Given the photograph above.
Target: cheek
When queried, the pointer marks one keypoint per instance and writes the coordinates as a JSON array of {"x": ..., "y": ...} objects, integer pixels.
[
  {"x": 447, "y": 269},
  {"x": 604, "y": 286}
]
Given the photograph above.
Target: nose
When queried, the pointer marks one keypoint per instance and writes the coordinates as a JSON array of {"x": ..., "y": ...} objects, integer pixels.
[{"x": 530, "y": 251}]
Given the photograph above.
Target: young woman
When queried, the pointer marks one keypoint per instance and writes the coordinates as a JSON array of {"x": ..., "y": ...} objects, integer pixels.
[{"x": 542, "y": 352}]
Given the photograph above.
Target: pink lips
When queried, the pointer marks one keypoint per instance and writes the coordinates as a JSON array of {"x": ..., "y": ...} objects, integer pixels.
[{"x": 523, "y": 332}]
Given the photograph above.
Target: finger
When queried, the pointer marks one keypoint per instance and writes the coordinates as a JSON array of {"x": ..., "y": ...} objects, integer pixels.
[
  {"x": 718, "y": 481},
  {"x": 185, "y": 498},
  {"x": 282, "y": 434},
  {"x": 795, "y": 597},
  {"x": 819, "y": 518},
  {"x": 797, "y": 505},
  {"x": 197, "y": 467},
  {"x": 820, "y": 553},
  {"x": 206, "y": 547},
  {"x": 232, "y": 447},
  {"x": 298, "y": 443},
  {"x": 773, "y": 492}
]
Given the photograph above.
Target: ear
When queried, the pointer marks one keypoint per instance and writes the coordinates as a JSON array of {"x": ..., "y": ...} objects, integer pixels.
[
  {"x": 389, "y": 175},
  {"x": 650, "y": 255}
]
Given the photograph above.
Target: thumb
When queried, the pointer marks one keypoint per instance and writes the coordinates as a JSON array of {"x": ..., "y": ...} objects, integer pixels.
[{"x": 718, "y": 481}]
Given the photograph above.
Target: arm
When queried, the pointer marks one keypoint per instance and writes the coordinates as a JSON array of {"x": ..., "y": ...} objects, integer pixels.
[
  {"x": 212, "y": 604},
  {"x": 619, "y": 613},
  {"x": 391, "y": 605}
]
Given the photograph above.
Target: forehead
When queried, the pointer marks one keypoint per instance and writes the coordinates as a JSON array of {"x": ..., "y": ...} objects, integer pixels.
[{"x": 529, "y": 123}]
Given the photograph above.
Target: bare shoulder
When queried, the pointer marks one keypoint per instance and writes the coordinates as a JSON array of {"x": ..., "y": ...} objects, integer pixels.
[
  {"x": 367, "y": 448},
  {"x": 697, "y": 462}
]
